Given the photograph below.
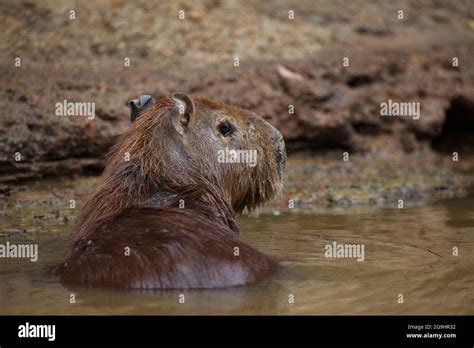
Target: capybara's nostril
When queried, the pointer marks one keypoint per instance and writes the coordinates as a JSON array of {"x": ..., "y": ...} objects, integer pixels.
[
  {"x": 281, "y": 153},
  {"x": 281, "y": 157},
  {"x": 279, "y": 143}
]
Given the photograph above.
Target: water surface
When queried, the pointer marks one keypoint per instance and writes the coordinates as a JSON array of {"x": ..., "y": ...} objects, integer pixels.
[{"x": 407, "y": 251}]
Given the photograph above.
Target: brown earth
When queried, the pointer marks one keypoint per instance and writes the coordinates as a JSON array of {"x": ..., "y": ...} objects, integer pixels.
[{"x": 282, "y": 62}]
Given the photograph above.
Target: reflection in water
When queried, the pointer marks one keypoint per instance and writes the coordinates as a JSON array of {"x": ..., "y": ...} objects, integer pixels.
[{"x": 407, "y": 251}]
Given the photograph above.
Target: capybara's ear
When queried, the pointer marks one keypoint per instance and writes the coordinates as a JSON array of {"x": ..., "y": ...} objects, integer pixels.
[
  {"x": 186, "y": 109},
  {"x": 138, "y": 105}
]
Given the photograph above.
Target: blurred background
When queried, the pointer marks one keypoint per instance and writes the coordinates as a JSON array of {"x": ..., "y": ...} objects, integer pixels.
[
  {"x": 282, "y": 62},
  {"x": 345, "y": 160}
]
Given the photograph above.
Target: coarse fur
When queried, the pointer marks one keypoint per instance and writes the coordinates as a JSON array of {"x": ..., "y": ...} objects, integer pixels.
[{"x": 163, "y": 213}]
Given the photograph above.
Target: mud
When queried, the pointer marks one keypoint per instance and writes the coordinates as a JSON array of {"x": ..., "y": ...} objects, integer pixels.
[
  {"x": 322, "y": 185},
  {"x": 282, "y": 62}
]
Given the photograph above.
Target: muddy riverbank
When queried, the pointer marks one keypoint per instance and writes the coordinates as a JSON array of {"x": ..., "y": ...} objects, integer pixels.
[
  {"x": 322, "y": 184},
  {"x": 320, "y": 78}
]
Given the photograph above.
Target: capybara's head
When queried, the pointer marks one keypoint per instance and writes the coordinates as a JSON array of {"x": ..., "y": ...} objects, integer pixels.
[{"x": 186, "y": 140}]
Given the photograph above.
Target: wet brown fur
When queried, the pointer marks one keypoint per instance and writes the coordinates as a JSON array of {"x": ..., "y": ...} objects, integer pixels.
[{"x": 136, "y": 206}]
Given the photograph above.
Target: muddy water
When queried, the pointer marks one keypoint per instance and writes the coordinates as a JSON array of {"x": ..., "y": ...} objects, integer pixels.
[{"x": 406, "y": 251}]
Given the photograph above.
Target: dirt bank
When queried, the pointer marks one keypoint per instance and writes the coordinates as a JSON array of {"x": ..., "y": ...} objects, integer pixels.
[{"x": 282, "y": 63}]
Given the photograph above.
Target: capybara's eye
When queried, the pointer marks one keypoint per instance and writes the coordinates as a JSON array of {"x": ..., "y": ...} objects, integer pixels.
[{"x": 226, "y": 128}]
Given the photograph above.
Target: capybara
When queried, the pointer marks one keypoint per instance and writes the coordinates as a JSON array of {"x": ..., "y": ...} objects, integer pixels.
[{"x": 163, "y": 214}]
